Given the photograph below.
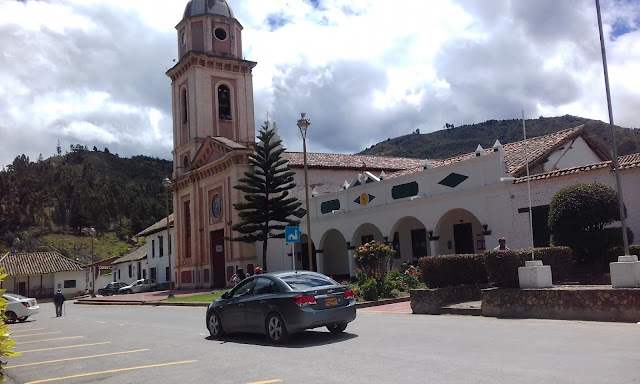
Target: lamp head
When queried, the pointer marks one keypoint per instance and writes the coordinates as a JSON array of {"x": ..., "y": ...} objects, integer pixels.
[
  {"x": 166, "y": 182},
  {"x": 303, "y": 123}
]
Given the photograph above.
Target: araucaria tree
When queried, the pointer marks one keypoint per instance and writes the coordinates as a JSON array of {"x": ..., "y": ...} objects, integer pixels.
[{"x": 267, "y": 208}]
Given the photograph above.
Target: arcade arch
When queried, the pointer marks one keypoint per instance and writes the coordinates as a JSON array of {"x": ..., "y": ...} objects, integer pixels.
[{"x": 460, "y": 232}]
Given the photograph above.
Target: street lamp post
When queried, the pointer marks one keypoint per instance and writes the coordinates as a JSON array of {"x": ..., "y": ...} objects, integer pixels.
[
  {"x": 303, "y": 124},
  {"x": 167, "y": 184},
  {"x": 92, "y": 232}
]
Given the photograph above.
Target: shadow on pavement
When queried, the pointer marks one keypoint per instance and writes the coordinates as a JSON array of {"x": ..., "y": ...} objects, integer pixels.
[{"x": 297, "y": 340}]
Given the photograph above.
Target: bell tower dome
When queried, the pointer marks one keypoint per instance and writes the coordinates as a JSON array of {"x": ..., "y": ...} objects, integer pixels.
[{"x": 211, "y": 84}]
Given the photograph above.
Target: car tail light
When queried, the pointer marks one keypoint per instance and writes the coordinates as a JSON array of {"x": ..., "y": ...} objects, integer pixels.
[
  {"x": 303, "y": 301},
  {"x": 25, "y": 303},
  {"x": 349, "y": 294}
]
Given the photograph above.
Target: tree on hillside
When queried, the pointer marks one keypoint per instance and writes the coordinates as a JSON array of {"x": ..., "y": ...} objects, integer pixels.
[
  {"x": 579, "y": 217},
  {"x": 267, "y": 208}
]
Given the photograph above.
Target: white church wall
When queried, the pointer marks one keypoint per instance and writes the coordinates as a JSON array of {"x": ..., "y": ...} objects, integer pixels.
[{"x": 572, "y": 154}]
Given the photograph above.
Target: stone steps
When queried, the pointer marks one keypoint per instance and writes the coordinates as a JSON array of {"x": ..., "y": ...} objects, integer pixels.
[{"x": 469, "y": 308}]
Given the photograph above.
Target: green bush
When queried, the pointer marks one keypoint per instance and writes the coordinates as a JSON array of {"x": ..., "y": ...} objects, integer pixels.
[
  {"x": 370, "y": 290},
  {"x": 583, "y": 207},
  {"x": 579, "y": 216},
  {"x": 453, "y": 270},
  {"x": 502, "y": 266},
  {"x": 374, "y": 258},
  {"x": 560, "y": 259},
  {"x": 6, "y": 344}
]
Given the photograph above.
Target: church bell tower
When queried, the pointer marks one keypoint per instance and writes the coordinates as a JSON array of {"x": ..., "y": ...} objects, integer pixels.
[{"x": 211, "y": 84}]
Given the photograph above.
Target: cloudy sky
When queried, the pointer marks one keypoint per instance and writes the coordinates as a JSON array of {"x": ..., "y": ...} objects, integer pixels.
[{"x": 92, "y": 72}]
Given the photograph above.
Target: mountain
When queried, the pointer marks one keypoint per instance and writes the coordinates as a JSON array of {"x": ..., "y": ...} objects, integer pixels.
[
  {"x": 68, "y": 193},
  {"x": 452, "y": 142}
]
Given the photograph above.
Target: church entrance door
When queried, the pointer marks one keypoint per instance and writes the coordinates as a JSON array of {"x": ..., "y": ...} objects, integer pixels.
[{"x": 217, "y": 259}]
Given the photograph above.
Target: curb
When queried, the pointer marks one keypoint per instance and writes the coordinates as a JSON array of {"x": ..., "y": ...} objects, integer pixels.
[{"x": 365, "y": 304}]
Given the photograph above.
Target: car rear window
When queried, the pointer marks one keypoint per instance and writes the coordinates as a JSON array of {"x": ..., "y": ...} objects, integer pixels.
[{"x": 304, "y": 281}]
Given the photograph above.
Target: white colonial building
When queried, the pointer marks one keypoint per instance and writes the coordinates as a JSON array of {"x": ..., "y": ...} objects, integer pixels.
[
  {"x": 422, "y": 208},
  {"x": 159, "y": 251}
]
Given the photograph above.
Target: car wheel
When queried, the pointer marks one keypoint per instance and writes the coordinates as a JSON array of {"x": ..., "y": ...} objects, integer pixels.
[
  {"x": 337, "y": 328},
  {"x": 214, "y": 325},
  {"x": 11, "y": 317},
  {"x": 22, "y": 319},
  {"x": 276, "y": 329}
]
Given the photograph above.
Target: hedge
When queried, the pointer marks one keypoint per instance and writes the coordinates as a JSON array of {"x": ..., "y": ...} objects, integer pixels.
[
  {"x": 502, "y": 266},
  {"x": 453, "y": 270}
]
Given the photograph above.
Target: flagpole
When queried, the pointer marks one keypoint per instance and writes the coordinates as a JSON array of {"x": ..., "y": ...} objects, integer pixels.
[
  {"x": 616, "y": 165},
  {"x": 526, "y": 156}
]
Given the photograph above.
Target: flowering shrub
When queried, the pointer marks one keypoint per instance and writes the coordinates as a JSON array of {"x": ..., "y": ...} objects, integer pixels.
[
  {"x": 374, "y": 258},
  {"x": 374, "y": 261}
]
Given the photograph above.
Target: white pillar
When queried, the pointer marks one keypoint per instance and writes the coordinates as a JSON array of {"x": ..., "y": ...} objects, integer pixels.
[
  {"x": 535, "y": 275},
  {"x": 625, "y": 273},
  {"x": 352, "y": 269}
]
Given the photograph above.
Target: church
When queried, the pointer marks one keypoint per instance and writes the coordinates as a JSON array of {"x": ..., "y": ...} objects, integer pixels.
[{"x": 419, "y": 207}]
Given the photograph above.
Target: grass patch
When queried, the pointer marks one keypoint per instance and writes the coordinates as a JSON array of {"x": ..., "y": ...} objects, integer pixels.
[
  {"x": 198, "y": 298},
  {"x": 104, "y": 244}
]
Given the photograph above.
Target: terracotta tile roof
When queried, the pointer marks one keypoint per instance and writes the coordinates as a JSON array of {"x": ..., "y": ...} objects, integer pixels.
[
  {"x": 38, "y": 263},
  {"x": 625, "y": 162},
  {"x": 161, "y": 225},
  {"x": 134, "y": 254},
  {"x": 334, "y": 160},
  {"x": 629, "y": 161},
  {"x": 539, "y": 148},
  {"x": 565, "y": 172},
  {"x": 404, "y": 172}
]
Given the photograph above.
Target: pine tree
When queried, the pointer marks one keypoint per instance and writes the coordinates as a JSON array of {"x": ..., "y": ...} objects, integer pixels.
[{"x": 267, "y": 208}]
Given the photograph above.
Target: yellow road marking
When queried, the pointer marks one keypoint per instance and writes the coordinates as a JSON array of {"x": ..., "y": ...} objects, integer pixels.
[
  {"x": 39, "y": 341},
  {"x": 110, "y": 371},
  {"x": 75, "y": 358},
  {"x": 37, "y": 334},
  {"x": 67, "y": 346},
  {"x": 267, "y": 382},
  {"x": 27, "y": 330}
]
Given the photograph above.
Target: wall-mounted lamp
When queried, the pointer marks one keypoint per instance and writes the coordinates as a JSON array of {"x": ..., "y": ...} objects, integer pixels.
[{"x": 485, "y": 230}]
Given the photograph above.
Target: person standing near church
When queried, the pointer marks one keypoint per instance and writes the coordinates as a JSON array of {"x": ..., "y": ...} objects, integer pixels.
[
  {"x": 58, "y": 301},
  {"x": 502, "y": 245}
]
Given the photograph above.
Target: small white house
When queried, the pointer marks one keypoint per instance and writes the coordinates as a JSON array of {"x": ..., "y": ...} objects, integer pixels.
[
  {"x": 40, "y": 274},
  {"x": 159, "y": 251},
  {"x": 131, "y": 266}
]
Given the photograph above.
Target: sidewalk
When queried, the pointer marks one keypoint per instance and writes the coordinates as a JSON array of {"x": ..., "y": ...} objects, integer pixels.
[{"x": 398, "y": 305}]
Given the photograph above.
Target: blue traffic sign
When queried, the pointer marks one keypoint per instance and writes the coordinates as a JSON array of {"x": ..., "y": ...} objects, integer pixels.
[{"x": 292, "y": 234}]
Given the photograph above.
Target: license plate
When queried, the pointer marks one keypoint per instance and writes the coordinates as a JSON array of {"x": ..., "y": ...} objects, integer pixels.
[{"x": 330, "y": 302}]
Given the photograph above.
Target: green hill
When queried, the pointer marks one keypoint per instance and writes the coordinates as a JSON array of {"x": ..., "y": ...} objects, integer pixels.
[
  {"x": 464, "y": 139},
  {"x": 68, "y": 193}
]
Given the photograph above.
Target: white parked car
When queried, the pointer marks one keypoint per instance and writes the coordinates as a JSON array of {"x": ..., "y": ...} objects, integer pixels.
[
  {"x": 19, "y": 308},
  {"x": 142, "y": 285}
]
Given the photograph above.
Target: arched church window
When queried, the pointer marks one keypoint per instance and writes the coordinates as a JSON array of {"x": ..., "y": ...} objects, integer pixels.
[
  {"x": 185, "y": 162},
  {"x": 224, "y": 103},
  {"x": 183, "y": 106}
]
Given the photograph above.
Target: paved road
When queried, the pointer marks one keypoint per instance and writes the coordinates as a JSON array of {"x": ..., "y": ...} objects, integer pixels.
[{"x": 147, "y": 344}]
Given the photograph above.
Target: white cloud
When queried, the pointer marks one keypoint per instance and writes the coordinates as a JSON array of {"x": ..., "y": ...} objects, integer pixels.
[{"x": 92, "y": 71}]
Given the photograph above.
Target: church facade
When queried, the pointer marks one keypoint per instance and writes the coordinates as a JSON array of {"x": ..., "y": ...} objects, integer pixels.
[{"x": 421, "y": 208}]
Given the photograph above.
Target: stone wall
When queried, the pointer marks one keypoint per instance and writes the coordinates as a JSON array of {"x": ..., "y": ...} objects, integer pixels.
[
  {"x": 597, "y": 303},
  {"x": 430, "y": 301}
]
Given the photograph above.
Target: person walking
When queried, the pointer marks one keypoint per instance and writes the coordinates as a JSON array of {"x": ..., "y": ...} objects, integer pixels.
[
  {"x": 238, "y": 277},
  {"x": 58, "y": 301}
]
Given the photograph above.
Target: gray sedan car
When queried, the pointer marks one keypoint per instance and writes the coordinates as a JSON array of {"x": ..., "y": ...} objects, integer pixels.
[{"x": 278, "y": 304}]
